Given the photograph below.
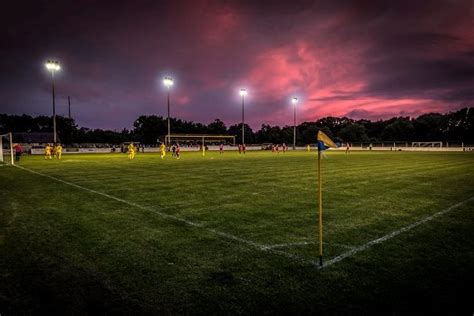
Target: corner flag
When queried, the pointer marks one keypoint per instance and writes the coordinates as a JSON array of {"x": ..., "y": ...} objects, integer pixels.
[{"x": 324, "y": 142}]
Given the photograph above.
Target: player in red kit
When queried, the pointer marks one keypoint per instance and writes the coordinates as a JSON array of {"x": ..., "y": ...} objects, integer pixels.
[
  {"x": 178, "y": 151},
  {"x": 18, "y": 152}
]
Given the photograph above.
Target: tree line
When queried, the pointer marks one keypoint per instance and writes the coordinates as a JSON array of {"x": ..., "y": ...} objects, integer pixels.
[{"x": 455, "y": 126}]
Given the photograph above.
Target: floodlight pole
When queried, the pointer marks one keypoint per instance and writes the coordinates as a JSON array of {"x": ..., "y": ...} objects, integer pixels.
[
  {"x": 243, "y": 120},
  {"x": 294, "y": 101},
  {"x": 53, "y": 65},
  {"x": 169, "y": 126},
  {"x": 294, "y": 127},
  {"x": 168, "y": 82},
  {"x": 54, "y": 107}
]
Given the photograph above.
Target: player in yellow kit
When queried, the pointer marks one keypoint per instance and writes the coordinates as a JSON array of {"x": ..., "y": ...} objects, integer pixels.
[
  {"x": 58, "y": 150},
  {"x": 131, "y": 151},
  {"x": 47, "y": 152},
  {"x": 162, "y": 150}
]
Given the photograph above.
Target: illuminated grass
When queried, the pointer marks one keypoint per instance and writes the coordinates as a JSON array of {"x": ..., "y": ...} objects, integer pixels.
[{"x": 63, "y": 248}]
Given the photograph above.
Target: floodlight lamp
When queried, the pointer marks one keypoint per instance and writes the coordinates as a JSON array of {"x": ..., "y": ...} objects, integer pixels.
[
  {"x": 168, "y": 82},
  {"x": 52, "y": 65},
  {"x": 243, "y": 92},
  {"x": 294, "y": 100}
]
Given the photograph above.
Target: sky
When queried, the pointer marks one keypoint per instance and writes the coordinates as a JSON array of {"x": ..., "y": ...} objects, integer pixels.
[{"x": 361, "y": 59}]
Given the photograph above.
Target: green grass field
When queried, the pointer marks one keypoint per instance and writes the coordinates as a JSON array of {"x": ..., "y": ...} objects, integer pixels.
[{"x": 232, "y": 234}]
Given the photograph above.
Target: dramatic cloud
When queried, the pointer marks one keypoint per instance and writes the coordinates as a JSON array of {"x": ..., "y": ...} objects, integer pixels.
[{"x": 363, "y": 59}]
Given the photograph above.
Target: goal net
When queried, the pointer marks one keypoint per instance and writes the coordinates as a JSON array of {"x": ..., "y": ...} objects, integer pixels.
[
  {"x": 201, "y": 140},
  {"x": 427, "y": 144},
  {"x": 6, "y": 149}
]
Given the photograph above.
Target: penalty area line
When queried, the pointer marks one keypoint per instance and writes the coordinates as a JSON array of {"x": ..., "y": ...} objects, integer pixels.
[
  {"x": 393, "y": 234},
  {"x": 252, "y": 244}
]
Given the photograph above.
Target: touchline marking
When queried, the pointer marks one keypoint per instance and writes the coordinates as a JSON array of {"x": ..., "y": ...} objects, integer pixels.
[
  {"x": 305, "y": 243},
  {"x": 247, "y": 242},
  {"x": 392, "y": 234}
]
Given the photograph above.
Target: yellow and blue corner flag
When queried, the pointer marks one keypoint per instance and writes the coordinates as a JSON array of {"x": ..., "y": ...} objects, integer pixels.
[{"x": 324, "y": 142}]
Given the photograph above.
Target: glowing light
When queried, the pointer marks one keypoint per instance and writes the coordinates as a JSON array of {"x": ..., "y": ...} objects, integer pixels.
[
  {"x": 168, "y": 81},
  {"x": 294, "y": 100},
  {"x": 243, "y": 92},
  {"x": 53, "y": 65}
]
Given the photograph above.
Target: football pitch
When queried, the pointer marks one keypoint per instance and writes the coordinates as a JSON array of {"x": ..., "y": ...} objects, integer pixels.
[{"x": 238, "y": 234}]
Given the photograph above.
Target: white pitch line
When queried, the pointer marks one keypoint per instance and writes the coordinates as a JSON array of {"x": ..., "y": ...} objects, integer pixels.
[
  {"x": 339, "y": 245},
  {"x": 305, "y": 243},
  {"x": 291, "y": 244},
  {"x": 247, "y": 242},
  {"x": 393, "y": 234}
]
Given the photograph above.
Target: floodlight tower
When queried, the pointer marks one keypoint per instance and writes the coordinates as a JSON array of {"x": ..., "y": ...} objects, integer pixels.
[
  {"x": 294, "y": 101},
  {"x": 53, "y": 66},
  {"x": 168, "y": 82},
  {"x": 243, "y": 93}
]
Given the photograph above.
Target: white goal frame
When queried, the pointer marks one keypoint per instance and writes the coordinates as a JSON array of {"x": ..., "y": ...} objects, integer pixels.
[
  {"x": 10, "y": 147},
  {"x": 427, "y": 144},
  {"x": 198, "y": 137}
]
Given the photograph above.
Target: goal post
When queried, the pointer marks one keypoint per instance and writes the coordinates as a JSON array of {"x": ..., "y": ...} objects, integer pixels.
[
  {"x": 427, "y": 144},
  {"x": 201, "y": 138},
  {"x": 6, "y": 149}
]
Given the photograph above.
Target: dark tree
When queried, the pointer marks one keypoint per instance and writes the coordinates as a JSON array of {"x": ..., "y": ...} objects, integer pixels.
[
  {"x": 430, "y": 127},
  {"x": 236, "y": 130},
  {"x": 217, "y": 127},
  {"x": 149, "y": 128},
  {"x": 401, "y": 129},
  {"x": 307, "y": 132},
  {"x": 269, "y": 134},
  {"x": 455, "y": 126},
  {"x": 353, "y": 133},
  {"x": 373, "y": 129}
]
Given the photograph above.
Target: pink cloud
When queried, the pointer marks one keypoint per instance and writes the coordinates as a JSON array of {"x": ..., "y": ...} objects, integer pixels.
[{"x": 181, "y": 100}]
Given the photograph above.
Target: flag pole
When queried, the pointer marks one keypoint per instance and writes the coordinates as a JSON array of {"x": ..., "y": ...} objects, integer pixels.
[{"x": 320, "y": 191}]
